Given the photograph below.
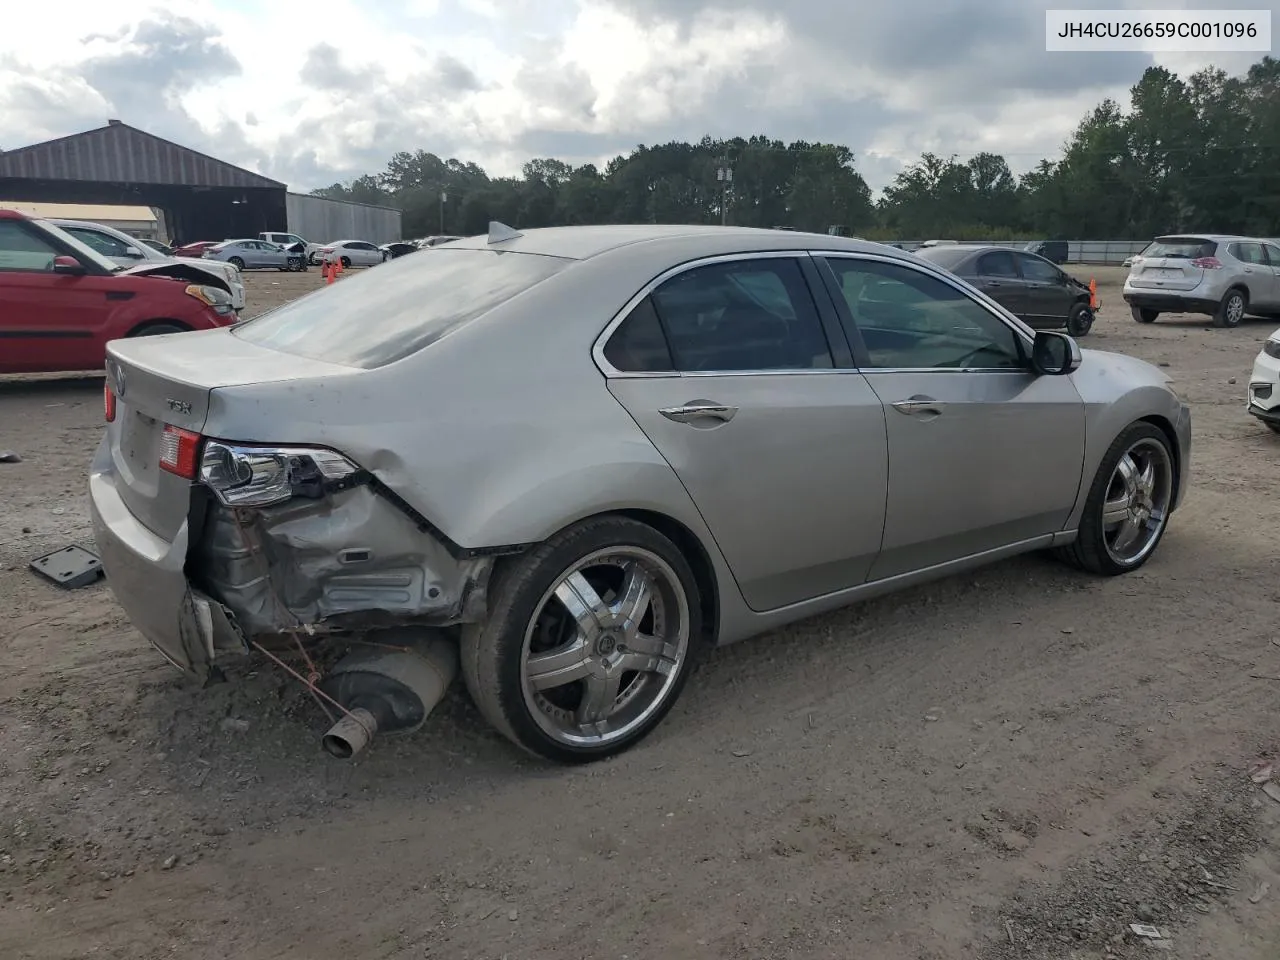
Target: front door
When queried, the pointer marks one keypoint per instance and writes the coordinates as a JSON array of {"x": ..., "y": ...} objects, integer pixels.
[
  {"x": 728, "y": 371},
  {"x": 1050, "y": 295},
  {"x": 998, "y": 277},
  {"x": 982, "y": 452},
  {"x": 48, "y": 321}
]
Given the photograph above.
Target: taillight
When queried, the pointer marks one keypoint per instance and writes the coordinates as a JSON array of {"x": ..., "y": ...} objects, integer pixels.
[
  {"x": 1207, "y": 263},
  {"x": 108, "y": 402},
  {"x": 178, "y": 451}
]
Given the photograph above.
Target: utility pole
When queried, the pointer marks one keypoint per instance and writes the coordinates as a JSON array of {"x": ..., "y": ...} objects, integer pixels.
[
  {"x": 444, "y": 198},
  {"x": 724, "y": 175}
]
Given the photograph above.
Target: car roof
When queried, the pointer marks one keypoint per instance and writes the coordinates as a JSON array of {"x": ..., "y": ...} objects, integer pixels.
[{"x": 585, "y": 242}]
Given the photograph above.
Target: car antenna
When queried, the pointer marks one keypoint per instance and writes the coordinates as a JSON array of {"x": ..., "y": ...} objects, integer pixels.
[{"x": 499, "y": 232}]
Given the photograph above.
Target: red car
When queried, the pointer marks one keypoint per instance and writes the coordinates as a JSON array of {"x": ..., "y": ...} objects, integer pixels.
[
  {"x": 60, "y": 301},
  {"x": 196, "y": 249}
]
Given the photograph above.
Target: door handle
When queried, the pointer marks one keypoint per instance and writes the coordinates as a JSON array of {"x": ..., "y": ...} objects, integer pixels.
[
  {"x": 696, "y": 409},
  {"x": 919, "y": 405}
]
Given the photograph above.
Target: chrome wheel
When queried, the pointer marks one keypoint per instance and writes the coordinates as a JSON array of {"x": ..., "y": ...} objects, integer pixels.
[
  {"x": 1136, "y": 506},
  {"x": 605, "y": 646}
]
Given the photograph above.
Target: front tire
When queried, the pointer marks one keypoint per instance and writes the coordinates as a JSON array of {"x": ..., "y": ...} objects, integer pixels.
[
  {"x": 1080, "y": 320},
  {"x": 590, "y": 639},
  {"x": 1232, "y": 308},
  {"x": 1128, "y": 507},
  {"x": 1143, "y": 315},
  {"x": 160, "y": 329}
]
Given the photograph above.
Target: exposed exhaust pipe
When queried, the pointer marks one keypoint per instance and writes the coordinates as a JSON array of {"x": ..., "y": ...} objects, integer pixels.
[
  {"x": 351, "y": 734},
  {"x": 392, "y": 691}
]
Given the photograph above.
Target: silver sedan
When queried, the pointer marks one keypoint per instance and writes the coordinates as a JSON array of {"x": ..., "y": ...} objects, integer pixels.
[
  {"x": 589, "y": 454},
  {"x": 255, "y": 255}
]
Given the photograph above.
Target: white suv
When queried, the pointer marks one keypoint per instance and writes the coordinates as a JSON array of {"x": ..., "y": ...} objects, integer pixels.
[
  {"x": 1224, "y": 277},
  {"x": 287, "y": 240}
]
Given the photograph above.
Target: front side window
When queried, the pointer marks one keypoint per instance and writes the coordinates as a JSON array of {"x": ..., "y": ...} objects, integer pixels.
[
  {"x": 910, "y": 320},
  {"x": 1033, "y": 268},
  {"x": 754, "y": 314},
  {"x": 23, "y": 250}
]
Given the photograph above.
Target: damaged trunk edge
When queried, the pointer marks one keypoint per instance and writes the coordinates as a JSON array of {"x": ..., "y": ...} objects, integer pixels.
[{"x": 349, "y": 562}]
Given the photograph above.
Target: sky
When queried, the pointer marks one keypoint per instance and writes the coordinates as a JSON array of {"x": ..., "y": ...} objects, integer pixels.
[{"x": 315, "y": 91}]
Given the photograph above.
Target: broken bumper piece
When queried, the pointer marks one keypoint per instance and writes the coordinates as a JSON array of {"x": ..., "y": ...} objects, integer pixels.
[{"x": 190, "y": 629}]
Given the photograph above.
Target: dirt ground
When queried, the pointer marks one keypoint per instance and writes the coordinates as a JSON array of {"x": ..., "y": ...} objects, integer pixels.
[{"x": 1018, "y": 763}]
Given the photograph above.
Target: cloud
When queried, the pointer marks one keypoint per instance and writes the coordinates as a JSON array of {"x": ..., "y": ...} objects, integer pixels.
[{"x": 500, "y": 81}]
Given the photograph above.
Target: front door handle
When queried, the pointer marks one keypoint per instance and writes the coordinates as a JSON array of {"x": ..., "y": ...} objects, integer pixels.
[
  {"x": 698, "y": 409},
  {"x": 919, "y": 405}
]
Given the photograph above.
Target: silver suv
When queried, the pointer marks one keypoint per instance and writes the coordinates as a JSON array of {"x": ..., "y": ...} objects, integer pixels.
[{"x": 1224, "y": 277}]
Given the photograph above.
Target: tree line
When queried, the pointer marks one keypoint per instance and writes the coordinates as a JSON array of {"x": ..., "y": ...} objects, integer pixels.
[{"x": 1201, "y": 153}]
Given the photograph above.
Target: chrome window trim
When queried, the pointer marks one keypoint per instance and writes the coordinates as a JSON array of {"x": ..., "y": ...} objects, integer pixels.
[{"x": 981, "y": 300}]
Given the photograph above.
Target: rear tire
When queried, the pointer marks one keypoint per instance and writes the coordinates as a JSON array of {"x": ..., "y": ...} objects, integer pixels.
[
  {"x": 1143, "y": 315},
  {"x": 346, "y": 263},
  {"x": 1232, "y": 308},
  {"x": 237, "y": 263},
  {"x": 160, "y": 329},
  {"x": 1080, "y": 320},
  {"x": 1120, "y": 496},
  {"x": 606, "y": 679}
]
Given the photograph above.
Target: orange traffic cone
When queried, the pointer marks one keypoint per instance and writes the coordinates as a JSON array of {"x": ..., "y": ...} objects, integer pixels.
[
  {"x": 328, "y": 272},
  {"x": 337, "y": 268},
  {"x": 1093, "y": 294}
]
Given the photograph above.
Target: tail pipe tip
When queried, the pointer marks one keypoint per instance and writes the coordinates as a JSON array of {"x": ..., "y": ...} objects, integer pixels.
[{"x": 350, "y": 734}]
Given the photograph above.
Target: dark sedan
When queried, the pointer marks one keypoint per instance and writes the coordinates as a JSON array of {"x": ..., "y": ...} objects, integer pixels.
[
  {"x": 392, "y": 250},
  {"x": 1036, "y": 291}
]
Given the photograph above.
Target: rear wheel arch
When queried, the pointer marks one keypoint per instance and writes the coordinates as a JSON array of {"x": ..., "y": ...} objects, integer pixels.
[{"x": 688, "y": 543}]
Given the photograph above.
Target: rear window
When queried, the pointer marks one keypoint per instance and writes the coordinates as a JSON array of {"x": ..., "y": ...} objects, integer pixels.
[
  {"x": 1180, "y": 248},
  {"x": 384, "y": 315},
  {"x": 946, "y": 257}
]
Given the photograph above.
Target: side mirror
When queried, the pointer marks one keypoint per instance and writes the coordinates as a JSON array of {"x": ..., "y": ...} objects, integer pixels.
[
  {"x": 133, "y": 252},
  {"x": 1054, "y": 354},
  {"x": 68, "y": 266}
]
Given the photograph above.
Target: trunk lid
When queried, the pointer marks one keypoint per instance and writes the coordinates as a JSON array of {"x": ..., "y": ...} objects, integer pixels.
[
  {"x": 167, "y": 380},
  {"x": 1173, "y": 263}
]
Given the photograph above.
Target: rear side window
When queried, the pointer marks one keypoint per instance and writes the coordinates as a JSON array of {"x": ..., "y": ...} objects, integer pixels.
[
  {"x": 752, "y": 314},
  {"x": 998, "y": 263},
  {"x": 1248, "y": 252},
  {"x": 387, "y": 314},
  {"x": 1181, "y": 248},
  {"x": 639, "y": 345}
]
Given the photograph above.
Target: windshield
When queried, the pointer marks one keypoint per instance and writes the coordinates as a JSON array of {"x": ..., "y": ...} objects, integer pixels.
[
  {"x": 386, "y": 314},
  {"x": 83, "y": 250}
]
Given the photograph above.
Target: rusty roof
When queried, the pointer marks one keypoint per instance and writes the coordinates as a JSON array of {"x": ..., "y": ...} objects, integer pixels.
[{"x": 119, "y": 153}]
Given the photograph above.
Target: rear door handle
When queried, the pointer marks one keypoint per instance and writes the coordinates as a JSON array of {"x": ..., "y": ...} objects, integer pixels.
[
  {"x": 919, "y": 405},
  {"x": 698, "y": 409}
]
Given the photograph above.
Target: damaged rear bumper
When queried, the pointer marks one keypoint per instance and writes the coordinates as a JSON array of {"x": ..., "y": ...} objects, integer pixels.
[
  {"x": 347, "y": 562},
  {"x": 146, "y": 573}
]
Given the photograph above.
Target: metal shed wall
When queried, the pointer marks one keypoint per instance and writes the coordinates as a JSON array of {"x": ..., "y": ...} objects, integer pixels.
[{"x": 321, "y": 220}]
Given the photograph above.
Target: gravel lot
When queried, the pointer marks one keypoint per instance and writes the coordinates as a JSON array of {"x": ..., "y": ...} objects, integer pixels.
[{"x": 1014, "y": 764}]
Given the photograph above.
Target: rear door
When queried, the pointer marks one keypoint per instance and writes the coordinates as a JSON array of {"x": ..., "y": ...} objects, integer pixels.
[
  {"x": 1050, "y": 294},
  {"x": 1256, "y": 272},
  {"x": 983, "y": 453},
  {"x": 728, "y": 367},
  {"x": 997, "y": 276},
  {"x": 1172, "y": 264},
  {"x": 48, "y": 321}
]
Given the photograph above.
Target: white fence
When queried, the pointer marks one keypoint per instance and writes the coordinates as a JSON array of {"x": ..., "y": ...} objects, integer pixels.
[{"x": 1078, "y": 251}]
